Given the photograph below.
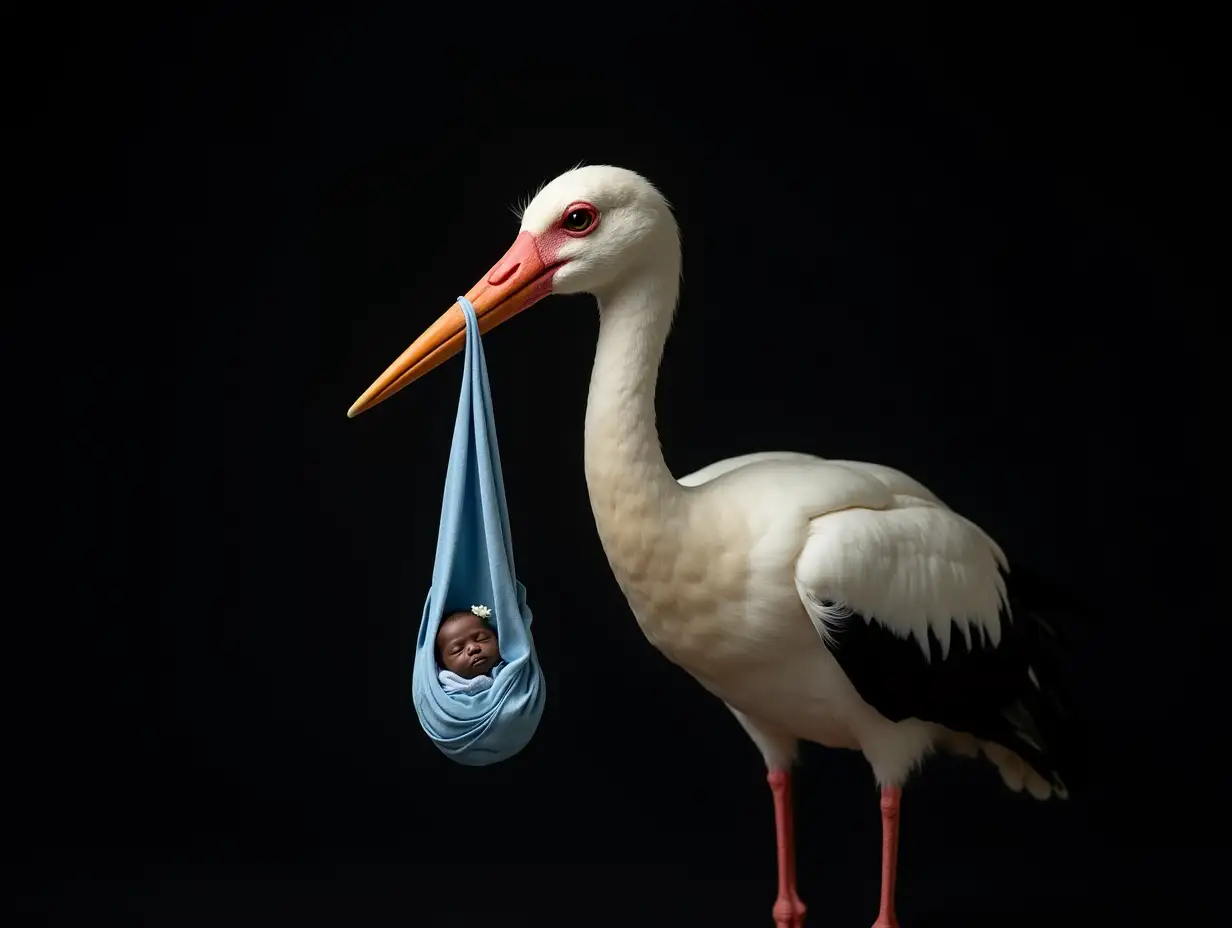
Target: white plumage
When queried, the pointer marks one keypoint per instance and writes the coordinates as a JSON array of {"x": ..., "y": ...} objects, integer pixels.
[
  {"x": 913, "y": 565},
  {"x": 833, "y": 601}
]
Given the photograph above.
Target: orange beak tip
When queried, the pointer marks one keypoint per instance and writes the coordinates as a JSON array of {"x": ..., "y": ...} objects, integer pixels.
[{"x": 518, "y": 280}]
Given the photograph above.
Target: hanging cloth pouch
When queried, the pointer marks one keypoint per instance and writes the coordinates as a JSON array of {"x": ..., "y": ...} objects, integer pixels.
[{"x": 474, "y": 566}]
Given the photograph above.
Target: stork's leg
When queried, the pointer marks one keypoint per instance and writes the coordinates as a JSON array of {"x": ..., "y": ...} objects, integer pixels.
[
  {"x": 788, "y": 909},
  {"x": 890, "y": 799}
]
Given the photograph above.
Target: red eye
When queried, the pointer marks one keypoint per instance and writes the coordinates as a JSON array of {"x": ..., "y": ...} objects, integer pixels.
[{"x": 579, "y": 219}]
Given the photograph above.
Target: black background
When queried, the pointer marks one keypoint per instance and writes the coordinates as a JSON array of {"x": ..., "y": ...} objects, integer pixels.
[{"x": 972, "y": 250}]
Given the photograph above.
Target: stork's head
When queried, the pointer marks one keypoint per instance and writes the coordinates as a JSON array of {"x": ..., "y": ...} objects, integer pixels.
[
  {"x": 581, "y": 233},
  {"x": 596, "y": 224}
]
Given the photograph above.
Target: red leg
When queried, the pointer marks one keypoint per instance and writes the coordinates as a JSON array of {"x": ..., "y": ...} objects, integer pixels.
[
  {"x": 788, "y": 909},
  {"x": 890, "y": 799}
]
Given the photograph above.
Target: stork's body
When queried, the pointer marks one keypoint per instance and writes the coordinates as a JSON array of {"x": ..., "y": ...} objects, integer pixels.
[
  {"x": 835, "y": 602},
  {"x": 782, "y": 686}
]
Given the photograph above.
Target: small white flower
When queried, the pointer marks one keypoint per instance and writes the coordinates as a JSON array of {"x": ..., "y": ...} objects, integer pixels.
[{"x": 482, "y": 611}]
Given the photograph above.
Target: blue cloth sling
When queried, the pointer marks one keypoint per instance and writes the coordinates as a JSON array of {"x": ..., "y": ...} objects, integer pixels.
[{"x": 474, "y": 566}]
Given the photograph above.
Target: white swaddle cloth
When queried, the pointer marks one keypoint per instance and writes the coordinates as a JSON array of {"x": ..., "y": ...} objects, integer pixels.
[{"x": 453, "y": 683}]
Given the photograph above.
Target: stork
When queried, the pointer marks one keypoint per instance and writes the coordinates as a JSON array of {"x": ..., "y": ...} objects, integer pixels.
[{"x": 831, "y": 601}]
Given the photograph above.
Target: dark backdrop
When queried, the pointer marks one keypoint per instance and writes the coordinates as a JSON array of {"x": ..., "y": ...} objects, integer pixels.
[{"x": 964, "y": 249}]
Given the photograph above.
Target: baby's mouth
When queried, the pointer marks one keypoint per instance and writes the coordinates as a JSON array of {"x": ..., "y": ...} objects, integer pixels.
[{"x": 479, "y": 660}]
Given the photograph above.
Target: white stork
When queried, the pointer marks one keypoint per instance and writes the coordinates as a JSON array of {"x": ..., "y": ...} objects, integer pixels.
[{"x": 832, "y": 601}]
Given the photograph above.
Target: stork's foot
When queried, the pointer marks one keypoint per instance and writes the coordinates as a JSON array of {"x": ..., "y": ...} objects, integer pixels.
[{"x": 789, "y": 912}]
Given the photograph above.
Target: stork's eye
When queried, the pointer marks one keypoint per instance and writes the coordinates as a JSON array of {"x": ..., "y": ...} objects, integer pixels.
[{"x": 579, "y": 219}]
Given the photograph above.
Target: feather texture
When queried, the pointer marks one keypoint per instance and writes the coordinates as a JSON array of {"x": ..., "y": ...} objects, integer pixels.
[{"x": 914, "y": 605}]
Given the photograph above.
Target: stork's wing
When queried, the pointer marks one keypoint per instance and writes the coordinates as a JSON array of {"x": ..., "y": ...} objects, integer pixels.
[{"x": 912, "y": 603}]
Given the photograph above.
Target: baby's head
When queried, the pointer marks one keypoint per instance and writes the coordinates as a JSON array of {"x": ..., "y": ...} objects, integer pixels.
[{"x": 466, "y": 643}]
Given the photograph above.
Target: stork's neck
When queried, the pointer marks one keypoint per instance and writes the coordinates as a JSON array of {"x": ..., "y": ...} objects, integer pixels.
[{"x": 624, "y": 462}]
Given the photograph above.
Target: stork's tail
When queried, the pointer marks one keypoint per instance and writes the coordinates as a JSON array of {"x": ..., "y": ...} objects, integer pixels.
[{"x": 1040, "y": 745}]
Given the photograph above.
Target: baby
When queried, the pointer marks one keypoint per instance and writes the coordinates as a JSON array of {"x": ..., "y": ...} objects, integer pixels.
[{"x": 466, "y": 648}]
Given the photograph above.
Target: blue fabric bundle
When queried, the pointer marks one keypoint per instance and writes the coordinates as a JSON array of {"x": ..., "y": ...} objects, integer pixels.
[{"x": 474, "y": 565}]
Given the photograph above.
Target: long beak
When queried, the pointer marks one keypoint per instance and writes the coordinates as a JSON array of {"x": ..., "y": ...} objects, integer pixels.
[{"x": 520, "y": 279}]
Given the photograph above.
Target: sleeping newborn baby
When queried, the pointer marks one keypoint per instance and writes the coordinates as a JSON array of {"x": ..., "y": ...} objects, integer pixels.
[{"x": 467, "y": 650}]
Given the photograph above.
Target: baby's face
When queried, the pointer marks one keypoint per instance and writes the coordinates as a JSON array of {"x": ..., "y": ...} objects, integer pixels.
[{"x": 467, "y": 646}]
